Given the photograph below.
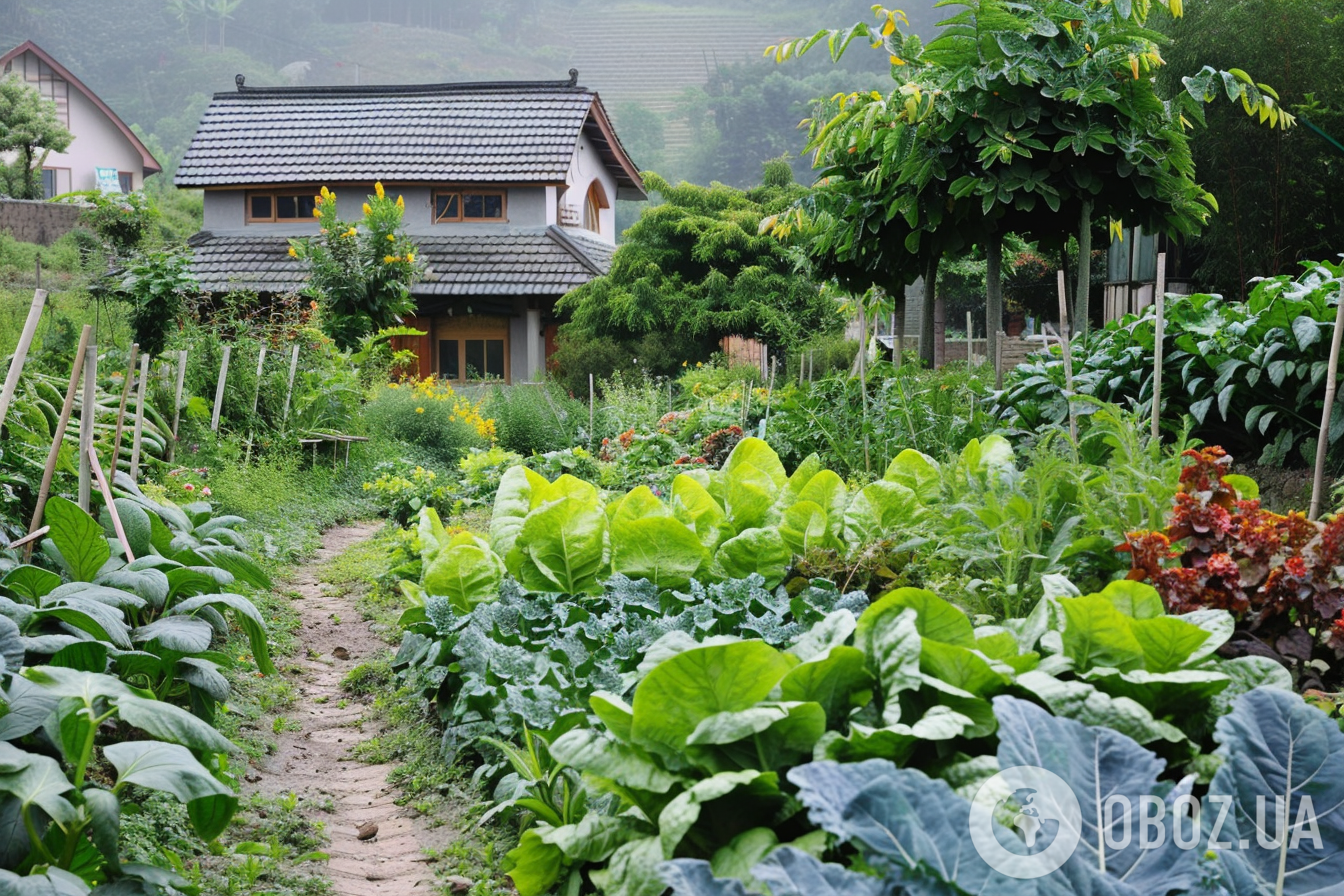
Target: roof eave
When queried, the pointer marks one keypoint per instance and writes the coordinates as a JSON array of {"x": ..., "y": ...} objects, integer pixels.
[{"x": 629, "y": 183}]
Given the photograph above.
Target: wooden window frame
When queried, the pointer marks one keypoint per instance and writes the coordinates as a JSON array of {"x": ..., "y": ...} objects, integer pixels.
[
  {"x": 130, "y": 179},
  {"x": 467, "y": 329},
  {"x": 275, "y": 194},
  {"x": 56, "y": 173},
  {"x": 461, "y": 192},
  {"x": 594, "y": 201}
]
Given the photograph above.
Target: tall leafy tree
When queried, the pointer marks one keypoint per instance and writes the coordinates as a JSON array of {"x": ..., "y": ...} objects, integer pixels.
[
  {"x": 1035, "y": 118},
  {"x": 696, "y": 268},
  {"x": 30, "y": 129}
]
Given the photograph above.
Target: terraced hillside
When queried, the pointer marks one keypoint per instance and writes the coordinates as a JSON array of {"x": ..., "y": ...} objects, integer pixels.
[{"x": 650, "y": 53}]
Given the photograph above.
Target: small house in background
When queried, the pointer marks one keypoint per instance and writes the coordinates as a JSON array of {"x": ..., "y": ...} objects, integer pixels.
[
  {"x": 1131, "y": 272},
  {"x": 105, "y": 153},
  {"x": 509, "y": 190}
]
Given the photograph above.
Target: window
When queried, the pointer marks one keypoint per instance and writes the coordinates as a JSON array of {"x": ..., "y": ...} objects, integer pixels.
[
  {"x": 469, "y": 205},
  {"x": 52, "y": 86},
  {"x": 272, "y": 207},
  {"x": 472, "y": 347},
  {"x": 127, "y": 181},
  {"x": 48, "y": 183},
  {"x": 592, "y": 206}
]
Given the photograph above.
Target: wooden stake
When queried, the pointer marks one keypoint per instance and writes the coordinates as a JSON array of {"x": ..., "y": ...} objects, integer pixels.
[
  {"x": 769, "y": 394},
  {"x": 970, "y": 343},
  {"x": 59, "y": 436},
  {"x": 1160, "y": 297},
  {"x": 88, "y": 416},
  {"x": 110, "y": 504},
  {"x": 998, "y": 360},
  {"x": 1331, "y": 381},
  {"x": 1065, "y": 342},
  {"x": 256, "y": 396},
  {"x": 137, "y": 438},
  {"x": 21, "y": 352},
  {"x": 177, "y": 402},
  {"x": 289, "y": 391},
  {"x": 219, "y": 389},
  {"x": 121, "y": 408},
  {"x": 592, "y": 437}
]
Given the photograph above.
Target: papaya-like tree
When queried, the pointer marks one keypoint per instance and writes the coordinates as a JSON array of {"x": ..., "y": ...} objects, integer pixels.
[{"x": 1034, "y": 117}]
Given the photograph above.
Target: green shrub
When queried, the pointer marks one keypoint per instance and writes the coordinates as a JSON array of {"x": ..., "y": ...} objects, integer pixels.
[
  {"x": 434, "y": 419},
  {"x": 535, "y": 419}
]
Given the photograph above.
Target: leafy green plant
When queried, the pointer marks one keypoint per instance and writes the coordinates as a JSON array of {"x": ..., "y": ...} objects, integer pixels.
[
  {"x": 1250, "y": 375},
  {"x": 535, "y": 419},
  {"x": 430, "y": 415},
  {"x": 909, "y": 828},
  {"x": 156, "y": 285}
]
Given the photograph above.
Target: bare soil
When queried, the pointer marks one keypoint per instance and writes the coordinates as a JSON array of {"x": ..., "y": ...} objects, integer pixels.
[{"x": 315, "y": 761}]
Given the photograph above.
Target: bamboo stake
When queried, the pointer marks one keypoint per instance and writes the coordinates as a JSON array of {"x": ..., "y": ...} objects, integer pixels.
[
  {"x": 998, "y": 360},
  {"x": 121, "y": 408},
  {"x": 769, "y": 394},
  {"x": 1160, "y": 298},
  {"x": 256, "y": 397},
  {"x": 1066, "y": 339},
  {"x": 21, "y": 352},
  {"x": 177, "y": 402},
  {"x": 970, "y": 343},
  {"x": 289, "y": 390},
  {"x": 110, "y": 504},
  {"x": 88, "y": 415},
  {"x": 59, "y": 436},
  {"x": 592, "y": 439},
  {"x": 219, "y": 389},
  {"x": 863, "y": 383},
  {"x": 136, "y": 441},
  {"x": 1331, "y": 381}
]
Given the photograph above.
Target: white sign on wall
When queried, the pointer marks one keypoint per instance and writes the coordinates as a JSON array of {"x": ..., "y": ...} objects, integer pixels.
[{"x": 108, "y": 182}]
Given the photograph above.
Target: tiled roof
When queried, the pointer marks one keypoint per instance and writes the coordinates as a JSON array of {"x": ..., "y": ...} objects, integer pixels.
[
  {"x": 509, "y": 132},
  {"x": 544, "y": 261}
]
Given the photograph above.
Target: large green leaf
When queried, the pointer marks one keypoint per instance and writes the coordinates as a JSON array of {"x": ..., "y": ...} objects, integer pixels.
[
  {"x": 622, "y": 763},
  {"x": 172, "y": 723},
  {"x": 1279, "y": 751},
  {"x": 181, "y": 634},
  {"x": 890, "y": 639},
  {"x": 760, "y": 456},
  {"x": 749, "y": 496},
  {"x": 466, "y": 571},
  {"x": 693, "y": 505},
  {"x": 536, "y": 865},
  {"x": 37, "y": 780},
  {"x": 99, "y": 620},
  {"x": 648, "y": 542},
  {"x": 171, "y": 768},
  {"x": 917, "y": 472},
  {"x": 78, "y": 537},
  {"x": 11, "y": 646},
  {"x": 242, "y": 566},
  {"x": 513, "y": 502},
  {"x": 31, "y": 582},
  {"x": 244, "y": 613},
  {"x": 760, "y": 551},
  {"x": 879, "y": 511},
  {"x": 683, "y": 691},
  {"x": 561, "y": 546},
  {"x": 827, "y": 490},
  {"x": 1097, "y": 634},
  {"x": 135, "y": 523},
  {"x": 833, "y": 680},
  {"x": 935, "y": 618},
  {"x": 681, "y": 814}
]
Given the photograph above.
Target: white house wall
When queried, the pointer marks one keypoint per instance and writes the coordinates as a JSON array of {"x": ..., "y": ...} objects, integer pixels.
[
  {"x": 98, "y": 143},
  {"x": 586, "y": 167}
]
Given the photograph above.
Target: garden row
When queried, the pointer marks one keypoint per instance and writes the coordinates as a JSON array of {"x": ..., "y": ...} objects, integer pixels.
[
  {"x": 765, "y": 682},
  {"x": 112, "y": 673}
]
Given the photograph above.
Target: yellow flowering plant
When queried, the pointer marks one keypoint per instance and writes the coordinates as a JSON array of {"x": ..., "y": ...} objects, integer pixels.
[{"x": 360, "y": 272}]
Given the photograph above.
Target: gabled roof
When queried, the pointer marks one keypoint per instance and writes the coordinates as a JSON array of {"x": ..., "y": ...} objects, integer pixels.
[
  {"x": 151, "y": 164},
  {"x": 543, "y": 261},
  {"x": 515, "y": 132}
]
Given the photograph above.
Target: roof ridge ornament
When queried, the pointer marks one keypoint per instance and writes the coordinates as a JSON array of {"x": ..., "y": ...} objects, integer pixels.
[
  {"x": 573, "y": 77},
  {"x": 239, "y": 80}
]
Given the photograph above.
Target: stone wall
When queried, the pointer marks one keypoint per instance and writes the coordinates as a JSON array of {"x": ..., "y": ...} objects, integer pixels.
[{"x": 37, "y": 222}]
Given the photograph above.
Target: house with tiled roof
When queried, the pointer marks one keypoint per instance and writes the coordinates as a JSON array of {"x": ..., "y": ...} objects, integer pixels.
[
  {"x": 101, "y": 139},
  {"x": 509, "y": 190}
]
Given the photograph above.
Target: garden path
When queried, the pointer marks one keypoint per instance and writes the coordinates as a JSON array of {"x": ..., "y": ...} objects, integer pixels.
[{"x": 313, "y": 757}]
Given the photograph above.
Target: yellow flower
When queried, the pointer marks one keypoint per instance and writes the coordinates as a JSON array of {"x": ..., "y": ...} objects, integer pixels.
[
  {"x": 325, "y": 192},
  {"x": 292, "y": 253},
  {"x": 368, "y": 210},
  {"x": 419, "y": 410},
  {"x": 684, "y": 363},
  {"x": 410, "y": 256},
  {"x": 350, "y": 232},
  {"x": 391, "y": 238},
  {"x": 378, "y": 188},
  {"x": 393, "y": 386},
  {"x": 317, "y": 213},
  {"x": 388, "y": 259},
  {"x": 401, "y": 203}
]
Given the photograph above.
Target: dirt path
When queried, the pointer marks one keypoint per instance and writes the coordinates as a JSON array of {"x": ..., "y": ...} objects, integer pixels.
[{"x": 315, "y": 761}]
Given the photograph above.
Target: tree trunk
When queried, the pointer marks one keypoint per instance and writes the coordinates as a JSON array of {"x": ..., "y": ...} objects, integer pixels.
[
  {"x": 994, "y": 290},
  {"x": 1084, "y": 287},
  {"x": 926, "y": 354},
  {"x": 939, "y": 332}
]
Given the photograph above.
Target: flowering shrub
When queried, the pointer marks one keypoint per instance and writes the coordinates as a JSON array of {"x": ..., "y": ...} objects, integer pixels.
[
  {"x": 431, "y": 414},
  {"x": 360, "y": 273},
  {"x": 1279, "y": 574}
]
